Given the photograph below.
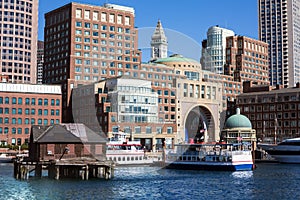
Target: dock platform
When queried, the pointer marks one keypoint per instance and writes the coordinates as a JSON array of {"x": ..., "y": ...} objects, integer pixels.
[{"x": 82, "y": 168}]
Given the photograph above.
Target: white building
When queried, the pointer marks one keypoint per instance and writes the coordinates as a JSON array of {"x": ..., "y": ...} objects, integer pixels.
[
  {"x": 279, "y": 26},
  {"x": 213, "y": 49}
]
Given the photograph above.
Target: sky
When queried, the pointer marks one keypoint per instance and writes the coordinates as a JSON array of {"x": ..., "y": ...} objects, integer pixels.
[{"x": 185, "y": 22}]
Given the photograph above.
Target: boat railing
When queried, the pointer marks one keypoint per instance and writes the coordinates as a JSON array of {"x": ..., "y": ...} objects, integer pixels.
[{"x": 117, "y": 151}]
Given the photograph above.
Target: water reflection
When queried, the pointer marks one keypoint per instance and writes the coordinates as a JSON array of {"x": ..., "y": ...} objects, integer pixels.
[{"x": 242, "y": 174}]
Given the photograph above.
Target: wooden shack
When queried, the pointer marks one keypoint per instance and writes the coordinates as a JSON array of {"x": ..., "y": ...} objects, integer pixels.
[{"x": 65, "y": 150}]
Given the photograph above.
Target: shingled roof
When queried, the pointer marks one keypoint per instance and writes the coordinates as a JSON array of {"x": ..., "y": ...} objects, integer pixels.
[{"x": 65, "y": 133}]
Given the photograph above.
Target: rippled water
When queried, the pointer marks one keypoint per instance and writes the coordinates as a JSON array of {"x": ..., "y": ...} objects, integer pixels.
[{"x": 268, "y": 181}]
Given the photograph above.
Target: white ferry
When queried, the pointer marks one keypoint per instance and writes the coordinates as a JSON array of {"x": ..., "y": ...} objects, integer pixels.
[
  {"x": 287, "y": 151},
  {"x": 224, "y": 157},
  {"x": 124, "y": 152}
]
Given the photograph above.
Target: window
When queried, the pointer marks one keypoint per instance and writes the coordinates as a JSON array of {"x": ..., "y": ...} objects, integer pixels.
[
  {"x": 27, "y": 101},
  {"x": 39, "y": 121},
  {"x": 57, "y": 112},
  {"x": 78, "y": 24},
  {"x": 170, "y": 130},
  {"x": 45, "y": 112},
  {"x": 45, "y": 102},
  {"x": 20, "y": 101},
  {"x": 148, "y": 130},
  {"x": 14, "y": 100},
  {"x": 6, "y": 100},
  {"x": 32, "y": 121},
  {"x": 33, "y": 111},
  {"x": 57, "y": 102},
  {"x": 19, "y": 120},
  {"x": 20, "y": 111},
  {"x": 40, "y": 111},
  {"x": 33, "y": 101},
  {"x": 52, "y": 102}
]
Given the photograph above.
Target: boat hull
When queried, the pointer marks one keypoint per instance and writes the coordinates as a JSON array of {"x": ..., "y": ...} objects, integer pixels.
[
  {"x": 6, "y": 160},
  {"x": 210, "y": 166},
  {"x": 283, "y": 153}
]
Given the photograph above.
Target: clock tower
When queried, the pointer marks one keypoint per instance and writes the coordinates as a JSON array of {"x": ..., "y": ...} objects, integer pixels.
[{"x": 159, "y": 44}]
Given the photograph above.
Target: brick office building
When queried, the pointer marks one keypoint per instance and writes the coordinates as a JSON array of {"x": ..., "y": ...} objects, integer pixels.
[
  {"x": 23, "y": 105},
  {"x": 273, "y": 111},
  {"x": 85, "y": 43}
]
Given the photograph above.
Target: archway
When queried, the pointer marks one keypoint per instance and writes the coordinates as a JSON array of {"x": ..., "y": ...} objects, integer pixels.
[{"x": 199, "y": 125}]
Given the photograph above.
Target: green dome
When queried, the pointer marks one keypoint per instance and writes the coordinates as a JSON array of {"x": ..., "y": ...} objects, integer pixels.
[
  {"x": 176, "y": 58},
  {"x": 238, "y": 121}
]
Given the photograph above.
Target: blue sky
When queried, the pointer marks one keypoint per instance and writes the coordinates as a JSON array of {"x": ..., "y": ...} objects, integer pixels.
[{"x": 189, "y": 19}]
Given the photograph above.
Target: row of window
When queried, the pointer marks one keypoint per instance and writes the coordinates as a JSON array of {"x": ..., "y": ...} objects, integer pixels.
[
  {"x": 271, "y": 107},
  {"x": 104, "y": 17},
  {"x": 19, "y": 101},
  {"x": 31, "y": 121},
  {"x": 28, "y": 111},
  {"x": 138, "y": 129},
  {"x": 15, "y": 141},
  {"x": 5, "y": 130}
]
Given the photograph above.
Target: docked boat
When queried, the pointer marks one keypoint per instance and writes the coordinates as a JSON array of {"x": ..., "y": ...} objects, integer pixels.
[
  {"x": 287, "y": 151},
  {"x": 6, "y": 158},
  {"x": 223, "y": 157},
  {"x": 124, "y": 152}
]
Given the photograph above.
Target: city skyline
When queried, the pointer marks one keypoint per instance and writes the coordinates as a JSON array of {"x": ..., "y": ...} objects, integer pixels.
[{"x": 192, "y": 24}]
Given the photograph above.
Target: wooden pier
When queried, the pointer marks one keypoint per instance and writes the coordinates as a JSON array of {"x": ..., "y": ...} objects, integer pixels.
[{"x": 84, "y": 168}]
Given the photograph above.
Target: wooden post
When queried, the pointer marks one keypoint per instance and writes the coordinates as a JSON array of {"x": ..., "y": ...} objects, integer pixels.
[
  {"x": 38, "y": 170},
  {"x": 87, "y": 172},
  {"x": 57, "y": 172}
]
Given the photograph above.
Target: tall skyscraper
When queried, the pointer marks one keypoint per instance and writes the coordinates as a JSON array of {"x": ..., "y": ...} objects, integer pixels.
[
  {"x": 18, "y": 34},
  {"x": 279, "y": 26},
  {"x": 85, "y": 43},
  {"x": 213, "y": 49},
  {"x": 159, "y": 43}
]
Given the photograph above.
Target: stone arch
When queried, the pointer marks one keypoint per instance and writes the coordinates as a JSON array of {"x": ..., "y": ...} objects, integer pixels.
[{"x": 200, "y": 124}]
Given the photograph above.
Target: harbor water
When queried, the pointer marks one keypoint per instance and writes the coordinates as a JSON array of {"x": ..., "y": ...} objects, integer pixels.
[{"x": 267, "y": 181}]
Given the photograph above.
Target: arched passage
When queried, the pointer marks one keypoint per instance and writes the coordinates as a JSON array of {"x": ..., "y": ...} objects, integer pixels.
[{"x": 199, "y": 125}]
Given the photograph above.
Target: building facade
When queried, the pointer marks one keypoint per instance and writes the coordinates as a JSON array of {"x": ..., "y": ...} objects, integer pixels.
[
  {"x": 24, "y": 105},
  {"x": 273, "y": 111},
  {"x": 166, "y": 103},
  {"x": 247, "y": 60},
  {"x": 40, "y": 62},
  {"x": 214, "y": 49},
  {"x": 19, "y": 25},
  {"x": 279, "y": 26},
  {"x": 85, "y": 43}
]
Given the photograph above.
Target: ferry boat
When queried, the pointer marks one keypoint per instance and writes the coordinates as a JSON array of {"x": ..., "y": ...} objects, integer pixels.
[
  {"x": 125, "y": 152},
  {"x": 287, "y": 151},
  {"x": 222, "y": 157}
]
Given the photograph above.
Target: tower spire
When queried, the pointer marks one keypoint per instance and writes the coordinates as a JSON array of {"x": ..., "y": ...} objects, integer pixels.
[{"x": 159, "y": 43}]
